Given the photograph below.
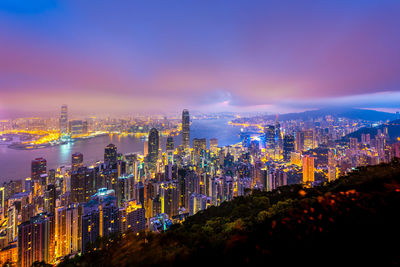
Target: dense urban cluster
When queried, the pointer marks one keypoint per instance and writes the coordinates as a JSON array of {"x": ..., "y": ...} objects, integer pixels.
[{"x": 61, "y": 212}]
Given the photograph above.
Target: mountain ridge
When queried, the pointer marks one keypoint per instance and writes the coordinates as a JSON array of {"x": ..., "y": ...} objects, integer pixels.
[{"x": 350, "y": 113}]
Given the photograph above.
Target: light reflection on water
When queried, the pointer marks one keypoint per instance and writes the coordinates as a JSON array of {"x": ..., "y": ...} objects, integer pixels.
[{"x": 15, "y": 164}]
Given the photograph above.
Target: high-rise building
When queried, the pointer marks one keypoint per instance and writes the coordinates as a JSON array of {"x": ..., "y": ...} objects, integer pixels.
[
  {"x": 76, "y": 128},
  {"x": 199, "y": 146},
  {"x": 110, "y": 155},
  {"x": 77, "y": 161},
  {"x": 170, "y": 143},
  {"x": 132, "y": 217},
  {"x": 82, "y": 184},
  {"x": 214, "y": 145},
  {"x": 308, "y": 169},
  {"x": 170, "y": 149},
  {"x": 68, "y": 229},
  {"x": 64, "y": 119},
  {"x": 36, "y": 240},
  {"x": 2, "y": 199},
  {"x": 288, "y": 147},
  {"x": 278, "y": 136},
  {"x": 308, "y": 139},
  {"x": 169, "y": 197},
  {"x": 198, "y": 202},
  {"x": 153, "y": 147},
  {"x": 99, "y": 217},
  {"x": 304, "y": 140},
  {"x": 269, "y": 132},
  {"x": 38, "y": 168},
  {"x": 185, "y": 129},
  {"x": 50, "y": 199}
]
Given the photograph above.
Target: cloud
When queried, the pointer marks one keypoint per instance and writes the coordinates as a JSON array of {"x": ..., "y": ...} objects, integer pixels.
[{"x": 261, "y": 55}]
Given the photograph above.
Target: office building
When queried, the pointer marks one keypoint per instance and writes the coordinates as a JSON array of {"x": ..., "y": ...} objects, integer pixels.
[
  {"x": 185, "y": 129},
  {"x": 77, "y": 161},
  {"x": 64, "y": 120}
]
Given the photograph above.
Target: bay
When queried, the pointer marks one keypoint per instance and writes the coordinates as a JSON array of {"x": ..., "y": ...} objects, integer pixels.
[{"x": 16, "y": 164}]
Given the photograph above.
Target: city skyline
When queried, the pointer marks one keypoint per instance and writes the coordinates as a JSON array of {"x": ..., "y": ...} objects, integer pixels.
[
  {"x": 223, "y": 56},
  {"x": 199, "y": 133}
]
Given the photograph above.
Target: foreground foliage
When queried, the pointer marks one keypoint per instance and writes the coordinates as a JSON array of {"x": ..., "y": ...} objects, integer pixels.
[{"x": 353, "y": 220}]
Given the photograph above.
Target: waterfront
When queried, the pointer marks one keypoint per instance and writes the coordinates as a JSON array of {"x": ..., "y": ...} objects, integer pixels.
[{"x": 16, "y": 164}]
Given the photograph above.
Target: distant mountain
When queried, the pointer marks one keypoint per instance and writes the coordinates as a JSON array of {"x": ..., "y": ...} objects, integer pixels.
[
  {"x": 393, "y": 131},
  {"x": 350, "y": 113}
]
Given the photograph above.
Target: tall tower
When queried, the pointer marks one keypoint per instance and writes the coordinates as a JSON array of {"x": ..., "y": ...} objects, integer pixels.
[
  {"x": 110, "y": 155},
  {"x": 170, "y": 149},
  {"x": 64, "y": 119},
  {"x": 77, "y": 161},
  {"x": 308, "y": 169},
  {"x": 185, "y": 129},
  {"x": 288, "y": 147},
  {"x": 153, "y": 146},
  {"x": 38, "y": 167}
]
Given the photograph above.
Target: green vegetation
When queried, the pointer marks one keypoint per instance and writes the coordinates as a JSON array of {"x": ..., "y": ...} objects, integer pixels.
[{"x": 353, "y": 220}]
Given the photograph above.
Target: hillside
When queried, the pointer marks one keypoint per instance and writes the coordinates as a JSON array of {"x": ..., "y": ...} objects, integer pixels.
[
  {"x": 354, "y": 220},
  {"x": 350, "y": 113}
]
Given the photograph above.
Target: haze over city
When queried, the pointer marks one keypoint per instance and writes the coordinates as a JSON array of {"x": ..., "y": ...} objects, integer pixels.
[
  {"x": 199, "y": 133},
  {"x": 270, "y": 56}
]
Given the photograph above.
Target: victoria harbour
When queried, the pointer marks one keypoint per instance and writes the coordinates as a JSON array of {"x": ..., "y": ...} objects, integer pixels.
[{"x": 15, "y": 164}]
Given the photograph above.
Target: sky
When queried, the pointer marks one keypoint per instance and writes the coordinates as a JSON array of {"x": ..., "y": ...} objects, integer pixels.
[{"x": 209, "y": 55}]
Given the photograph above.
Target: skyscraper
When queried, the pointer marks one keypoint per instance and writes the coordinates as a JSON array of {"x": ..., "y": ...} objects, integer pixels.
[
  {"x": 214, "y": 145},
  {"x": 185, "y": 129},
  {"x": 269, "y": 131},
  {"x": 153, "y": 146},
  {"x": 170, "y": 143},
  {"x": 199, "y": 145},
  {"x": 38, "y": 168},
  {"x": 64, "y": 119},
  {"x": 110, "y": 155},
  {"x": 36, "y": 240},
  {"x": 77, "y": 161},
  {"x": 308, "y": 169},
  {"x": 288, "y": 146},
  {"x": 170, "y": 149}
]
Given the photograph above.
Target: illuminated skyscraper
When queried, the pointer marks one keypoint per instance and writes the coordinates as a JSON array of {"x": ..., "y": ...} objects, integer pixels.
[
  {"x": 170, "y": 149},
  {"x": 82, "y": 184},
  {"x": 199, "y": 145},
  {"x": 77, "y": 161},
  {"x": 77, "y": 127},
  {"x": 132, "y": 217},
  {"x": 278, "y": 136},
  {"x": 36, "y": 240},
  {"x": 214, "y": 145},
  {"x": 288, "y": 147},
  {"x": 185, "y": 129},
  {"x": 169, "y": 196},
  {"x": 308, "y": 139},
  {"x": 170, "y": 143},
  {"x": 64, "y": 119},
  {"x": 68, "y": 229},
  {"x": 2, "y": 198},
  {"x": 110, "y": 155},
  {"x": 153, "y": 146},
  {"x": 38, "y": 168},
  {"x": 50, "y": 198},
  {"x": 269, "y": 131},
  {"x": 308, "y": 169},
  {"x": 304, "y": 140}
]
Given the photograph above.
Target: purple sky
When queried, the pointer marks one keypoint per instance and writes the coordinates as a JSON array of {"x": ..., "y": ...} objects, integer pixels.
[{"x": 128, "y": 56}]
